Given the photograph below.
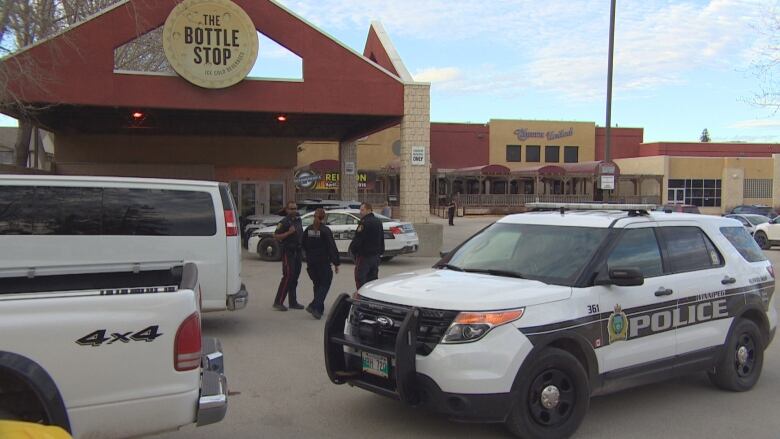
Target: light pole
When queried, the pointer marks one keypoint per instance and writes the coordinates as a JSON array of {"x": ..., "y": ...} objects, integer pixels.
[{"x": 607, "y": 149}]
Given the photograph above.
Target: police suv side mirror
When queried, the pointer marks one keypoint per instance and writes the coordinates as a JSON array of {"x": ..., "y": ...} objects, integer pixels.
[
  {"x": 626, "y": 277},
  {"x": 443, "y": 254}
]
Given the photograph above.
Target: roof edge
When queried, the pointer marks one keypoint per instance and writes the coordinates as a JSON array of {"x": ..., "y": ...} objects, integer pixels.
[{"x": 392, "y": 53}]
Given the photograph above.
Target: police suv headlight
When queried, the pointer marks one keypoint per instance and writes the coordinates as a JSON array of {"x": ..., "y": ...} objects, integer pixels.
[{"x": 472, "y": 326}]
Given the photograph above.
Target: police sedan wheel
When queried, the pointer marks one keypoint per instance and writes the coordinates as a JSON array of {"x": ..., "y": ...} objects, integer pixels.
[
  {"x": 762, "y": 240},
  {"x": 741, "y": 365},
  {"x": 553, "y": 397},
  {"x": 269, "y": 250}
]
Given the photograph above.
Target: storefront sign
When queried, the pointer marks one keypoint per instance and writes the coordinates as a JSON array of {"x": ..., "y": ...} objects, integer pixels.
[
  {"x": 331, "y": 181},
  {"x": 210, "y": 43},
  {"x": 608, "y": 182},
  {"x": 306, "y": 179},
  {"x": 524, "y": 134},
  {"x": 418, "y": 156}
]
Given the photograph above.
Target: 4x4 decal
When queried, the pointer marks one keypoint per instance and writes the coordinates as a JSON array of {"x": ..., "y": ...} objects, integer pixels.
[{"x": 98, "y": 338}]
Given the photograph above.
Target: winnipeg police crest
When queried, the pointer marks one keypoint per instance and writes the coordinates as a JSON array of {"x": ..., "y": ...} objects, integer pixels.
[{"x": 617, "y": 325}]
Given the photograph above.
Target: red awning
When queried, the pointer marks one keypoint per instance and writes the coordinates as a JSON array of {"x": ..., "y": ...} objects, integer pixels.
[{"x": 542, "y": 171}]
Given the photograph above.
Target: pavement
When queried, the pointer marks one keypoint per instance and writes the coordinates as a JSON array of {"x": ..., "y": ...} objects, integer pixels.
[{"x": 274, "y": 363}]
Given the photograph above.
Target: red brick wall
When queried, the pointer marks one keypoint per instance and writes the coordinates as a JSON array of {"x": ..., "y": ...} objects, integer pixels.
[
  {"x": 459, "y": 145},
  {"x": 697, "y": 149},
  {"x": 625, "y": 142}
]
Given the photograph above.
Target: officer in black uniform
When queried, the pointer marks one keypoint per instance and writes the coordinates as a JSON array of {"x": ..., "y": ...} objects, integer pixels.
[
  {"x": 289, "y": 233},
  {"x": 321, "y": 251},
  {"x": 367, "y": 246}
]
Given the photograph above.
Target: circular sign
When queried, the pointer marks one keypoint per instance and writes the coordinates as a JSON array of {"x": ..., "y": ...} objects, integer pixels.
[
  {"x": 210, "y": 43},
  {"x": 306, "y": 179}
]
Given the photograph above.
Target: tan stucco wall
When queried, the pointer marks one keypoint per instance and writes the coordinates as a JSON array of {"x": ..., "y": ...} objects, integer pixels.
[
  {"x": 176, "y": 150},
  {"x": 502, "y": 133},
  {"x": 373, "y": 153}
]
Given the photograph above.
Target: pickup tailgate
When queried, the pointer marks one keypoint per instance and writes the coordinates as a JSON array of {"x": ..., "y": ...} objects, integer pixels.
[{"x": 111, "y": 355}]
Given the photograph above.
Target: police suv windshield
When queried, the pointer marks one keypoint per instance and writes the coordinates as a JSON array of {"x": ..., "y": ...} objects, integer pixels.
[{"x": 551, "y": 254}]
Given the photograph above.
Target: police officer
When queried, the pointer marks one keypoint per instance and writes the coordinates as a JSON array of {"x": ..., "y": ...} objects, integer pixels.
[
  {"x": 367, "y": 246},
  {"x": 321, "y": 252},
  {"x": 451, "y": 208},
  {"x": 289, "y": 233}
]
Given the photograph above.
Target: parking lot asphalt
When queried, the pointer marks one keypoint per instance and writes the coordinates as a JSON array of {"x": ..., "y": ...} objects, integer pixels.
[{"x": 274, "y": 363}]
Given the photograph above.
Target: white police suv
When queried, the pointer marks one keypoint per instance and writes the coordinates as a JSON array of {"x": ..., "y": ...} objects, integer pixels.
[{"x": 529, "y": 318}]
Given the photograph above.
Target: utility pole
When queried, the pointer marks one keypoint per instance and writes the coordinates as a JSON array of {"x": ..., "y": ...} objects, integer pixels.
[{"x": 607, "y": 149}]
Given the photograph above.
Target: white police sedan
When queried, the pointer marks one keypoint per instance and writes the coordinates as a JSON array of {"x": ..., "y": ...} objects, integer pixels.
[{"x": 400, "y": 237}]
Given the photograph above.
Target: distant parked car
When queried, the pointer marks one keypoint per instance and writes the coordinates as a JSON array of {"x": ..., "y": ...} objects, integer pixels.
[
  {"x": 755, "y": 209},
  {"x": 750, "y": 221},
  {"x": 768, "y": 234},
  {"x": 680, "y": 208}
]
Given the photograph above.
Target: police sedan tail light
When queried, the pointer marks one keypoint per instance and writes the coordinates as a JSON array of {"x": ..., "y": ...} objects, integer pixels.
[
  {"x": 471, "y": 326},
  {"x": 395, "y": 230}
]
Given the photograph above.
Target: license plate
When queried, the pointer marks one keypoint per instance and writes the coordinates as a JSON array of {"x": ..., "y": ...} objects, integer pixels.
[{"x": 375, "y": 364}]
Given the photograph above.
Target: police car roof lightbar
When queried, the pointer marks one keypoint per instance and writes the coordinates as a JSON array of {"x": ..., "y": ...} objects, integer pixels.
[{"x": 643, "y": 208}]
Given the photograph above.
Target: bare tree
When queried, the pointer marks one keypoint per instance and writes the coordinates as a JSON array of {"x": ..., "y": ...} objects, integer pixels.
[
  {"x": 26, "y": 22},
  {"x": 766, "y": 66}
]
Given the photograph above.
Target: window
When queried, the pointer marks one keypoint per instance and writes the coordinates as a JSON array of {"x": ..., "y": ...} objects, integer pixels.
[
  {"x": 340, "y": 219},
  {"x": 690, "y": 249},
  {"x": 744, "y": 243},
  {"x": 67, "y": 211},
  {"x": 154, "y": 212},
  {"x": 553, "y": 254},
  {"x": 637, "y": 248},
  {"x": 571, "y": 154},
  {"x": 552, "y": 154},
  {"x": 757, "y": 188},
  {"x": 513, "y": 153},
  {"x": 533, "y": 153},
  {"x": 16, "y": 210},
  {"x": 702, "y": 193}
]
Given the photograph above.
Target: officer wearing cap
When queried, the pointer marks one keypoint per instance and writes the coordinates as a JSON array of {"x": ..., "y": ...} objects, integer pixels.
[
  {"x": 367, "y": 246},
  {"x": 289, "y": 233}
]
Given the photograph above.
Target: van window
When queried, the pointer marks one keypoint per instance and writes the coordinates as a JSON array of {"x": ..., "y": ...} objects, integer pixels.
[
  {"x": 67, "y": 211},
  {"x": 690, "y": 249},
  {"x": 155, "y": 212},
  {"x": 48, "y": 210},
  {"x": 16, "y": 210}
]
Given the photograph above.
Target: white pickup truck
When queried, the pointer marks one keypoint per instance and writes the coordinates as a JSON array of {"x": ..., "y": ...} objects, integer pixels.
[{"x": 108, "y": 350}]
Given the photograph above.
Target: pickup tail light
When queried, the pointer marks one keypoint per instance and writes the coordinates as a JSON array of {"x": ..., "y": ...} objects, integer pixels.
[
  {"x": 231, "y": 228},
  {"x": 395, "y": 230},
  {"x": 187, "y": 345}
]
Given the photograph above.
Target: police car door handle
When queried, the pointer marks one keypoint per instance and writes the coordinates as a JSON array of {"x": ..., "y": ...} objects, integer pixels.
[
  {"x": 663, "y": 292},
  {"x": 728, "y": 280}
]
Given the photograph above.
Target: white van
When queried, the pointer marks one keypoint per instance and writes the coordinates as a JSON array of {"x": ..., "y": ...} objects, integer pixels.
[{"x": 48, "y": 221}]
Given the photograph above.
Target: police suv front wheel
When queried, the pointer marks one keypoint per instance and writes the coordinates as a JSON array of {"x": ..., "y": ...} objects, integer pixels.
[
  {"x": 740, "y": 367},
  {"x": 552, "y": 397}
]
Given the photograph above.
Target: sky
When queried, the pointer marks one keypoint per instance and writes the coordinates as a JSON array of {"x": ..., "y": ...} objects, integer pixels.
[{"x": 680, "y": 66}]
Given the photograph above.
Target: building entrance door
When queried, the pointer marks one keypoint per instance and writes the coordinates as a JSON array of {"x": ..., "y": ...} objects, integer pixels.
[
  {"x": 257, "y": 197},
  {"x": 676, "y": 196}
]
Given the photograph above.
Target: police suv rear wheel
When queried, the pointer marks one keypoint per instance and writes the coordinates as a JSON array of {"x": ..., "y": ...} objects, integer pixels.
[
  {"x": 740, "y": 367},
  {"x": 552, "y": 398}
]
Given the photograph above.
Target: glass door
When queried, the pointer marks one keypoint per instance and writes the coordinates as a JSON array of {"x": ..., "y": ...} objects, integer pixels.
[
  {"x": 275, "y": 197},
  {"x": 676, "y": 196}
]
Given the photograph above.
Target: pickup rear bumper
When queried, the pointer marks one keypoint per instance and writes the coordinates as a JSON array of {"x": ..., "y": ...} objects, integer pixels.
[
  {"x": 239, "y": 300},
  {"x": 212, "y": 405}
]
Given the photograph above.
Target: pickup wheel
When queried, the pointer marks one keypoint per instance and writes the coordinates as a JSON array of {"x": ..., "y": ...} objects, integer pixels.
[
  {"x": 762, "y": 240},
  {"x": 740, "y": 367},
  {"x": 552, "y": 398},
  {"x": 269, "y": 250}
]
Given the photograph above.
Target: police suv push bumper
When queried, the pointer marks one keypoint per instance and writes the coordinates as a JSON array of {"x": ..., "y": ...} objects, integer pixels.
[{"x": 470, "y": 381}]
